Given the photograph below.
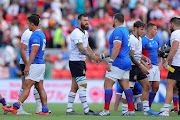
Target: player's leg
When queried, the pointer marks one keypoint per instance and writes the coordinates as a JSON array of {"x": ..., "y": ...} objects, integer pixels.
[
  {"x": 175, "y": 99},
  {"x": 71, "y": 96},
  {"x": 169, "y": 96},
  {"x": 43, "y": 96},
  {"x": 155, "y": 79},
  {"x": 124, "y": 105},
  {"x": 119, "y": 92},
  {"x": 38, "y": 101},
  {"x": 152, "y": 94},
  {"x": 3, "y": 102}
]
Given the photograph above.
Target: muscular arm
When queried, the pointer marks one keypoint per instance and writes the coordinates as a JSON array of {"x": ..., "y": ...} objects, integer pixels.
[
  {"x": 34, "y": 51},
  {"x": 173, "y": 50},
  {"x": 83, "y": 50},
  {"x": 133, "y": 59},
  {"x": 22, "y": 53},
  {"x": 115, "y": 50},
  {"x": 90, "y": 50}
]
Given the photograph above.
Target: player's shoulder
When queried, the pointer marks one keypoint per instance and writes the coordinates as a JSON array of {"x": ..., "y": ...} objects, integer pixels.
[
  {"x": 175, "y": 33},
  {"x": 27, "y": 32},
  {"x": 76, "y": 33},
  {"x": 156, "y": 39}
]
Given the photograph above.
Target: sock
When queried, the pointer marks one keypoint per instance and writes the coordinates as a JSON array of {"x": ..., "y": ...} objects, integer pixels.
[
  {"x": 37, "y": 99},
  {"x": 45, "y": 108},
  {"x": 71, "y": 98},
  {"x": 16, "y": 105},
  {"x": 3, "y": 101},
  {"x": 165, "y": 107},
  {"x": 139, "y": 107},
  {"x": 82, "y": 96},
  {"x": 175, "y": 101},
  {"x": 151, "y": 98},
  {"x": 124, "y": 108},
  {"x": 145, "y": 105},
  {"x": 129, "y": 98},
  {"x": 20, "y": 92},
  {"x": 108, "y": 96}
]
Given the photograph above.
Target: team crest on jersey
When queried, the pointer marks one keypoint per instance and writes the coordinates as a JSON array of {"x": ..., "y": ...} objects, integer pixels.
[
  {"x": 35, "y": 40},
  {"x": 84, "y": 71},
  {"x": 116, "y": 37}
]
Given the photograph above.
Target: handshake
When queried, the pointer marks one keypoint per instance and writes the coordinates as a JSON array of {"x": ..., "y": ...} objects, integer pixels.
[{"x": 97, "y": 58}]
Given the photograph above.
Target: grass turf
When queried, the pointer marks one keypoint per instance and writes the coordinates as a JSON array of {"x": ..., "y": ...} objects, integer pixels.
[{"x": 59, "y": 110}]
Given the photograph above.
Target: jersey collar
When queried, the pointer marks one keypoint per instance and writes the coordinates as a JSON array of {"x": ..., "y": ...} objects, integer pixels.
[
  {"x": 81, "y": 30},
  {"x": 36, "y": 29}
]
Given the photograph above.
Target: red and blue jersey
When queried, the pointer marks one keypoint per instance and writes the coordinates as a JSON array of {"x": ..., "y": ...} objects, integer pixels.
[
  {"x": 150, "y": 49},
  {"x": 38, "y": 38},
  {"x": 122, "y": 60}
]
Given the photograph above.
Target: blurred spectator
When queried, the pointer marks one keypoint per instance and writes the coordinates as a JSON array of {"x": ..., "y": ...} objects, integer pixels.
[
  {"x": 116, "y": 5},
  {"x": 49, "y": 68},
  {"x": 156, "y": 13},
  {"x": 14, "y": 71},
  {"x": 23, "y": 8},
  {"x": 63, "y": 58},
  {"x": 168, "y": 14},
  {"x": 131, "y": 22},
  {"x": 140, "y": 12},
  {"x": 80, "y": 7},
  {"x": 13, "y": 9},
  {"x": 40, "y": 6},
  {"x": 59, "y": 39}
]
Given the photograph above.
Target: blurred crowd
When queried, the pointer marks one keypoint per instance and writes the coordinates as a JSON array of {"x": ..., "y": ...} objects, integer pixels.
[{"x": 59, "y": 18}]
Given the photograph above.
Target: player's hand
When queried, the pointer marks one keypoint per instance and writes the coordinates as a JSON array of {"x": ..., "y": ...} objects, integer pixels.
[
  {"x": 148, "y": 60},
  {"x": 26, "y": 70},
  {"x": 96, "y": 58},
  {"x": 143, "y": 69},
  {"x": 165, "y": 64},
  {"x": 108, "y": 67}
]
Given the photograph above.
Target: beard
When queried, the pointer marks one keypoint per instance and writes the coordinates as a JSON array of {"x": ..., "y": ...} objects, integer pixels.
[
  {"x": 113, "y": 25},
  {"x": 171, "y": 29},
  {"x": 84, "y": 27}
]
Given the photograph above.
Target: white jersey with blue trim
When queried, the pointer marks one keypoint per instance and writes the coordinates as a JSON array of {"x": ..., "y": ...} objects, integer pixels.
[
  {"x": 136, "y": 45},
  {"x": 77, "y": 36},
  {"x": 25, "y": 40},
  {"x": 175, "y": 36}
]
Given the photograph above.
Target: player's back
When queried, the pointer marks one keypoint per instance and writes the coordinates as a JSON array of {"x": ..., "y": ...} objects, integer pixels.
[
  {"x": 122, "y": 60},
  {"x": 38, "y": 38}
]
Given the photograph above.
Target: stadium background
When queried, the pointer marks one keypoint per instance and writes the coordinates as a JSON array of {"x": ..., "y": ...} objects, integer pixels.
[{"x": 58, "y": 19}]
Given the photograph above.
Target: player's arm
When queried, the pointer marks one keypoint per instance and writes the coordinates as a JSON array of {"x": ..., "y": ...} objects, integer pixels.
[
  {"x": 143, "y": 57},
  {"x": 34, "y": 50},
  {"x": 115, "y": 50},
  {"x": 90, "y": 50},
  {"x": 173, "y": 50},
  {"x": 85, "y": 52},
  {"x": 22, "y": 53}
]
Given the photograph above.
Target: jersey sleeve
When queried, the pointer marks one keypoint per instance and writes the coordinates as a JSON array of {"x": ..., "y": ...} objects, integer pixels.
[
  {"x": 24, "y": 38},
  {"x": 175, "y": 36},
  {"x": 117, "y": 36},
  {"x": 35, "y": 40},
  {"x": 159, "y": 47},
  {"x": 76, "y": 37},
  {"x": 131, "y": 43}
]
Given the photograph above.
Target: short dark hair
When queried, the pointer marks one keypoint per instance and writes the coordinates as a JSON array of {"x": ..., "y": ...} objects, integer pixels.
[
  {"x": 139, "y": 24},
  {"x": 82, "y": 15},
  {"x": 34, "y": 19},
  {"x": 36, "y": 15},
  {"x": 150, "y": 25},
  {"x": 175, "y": 20},
  {"x": 119, "y": 17}
]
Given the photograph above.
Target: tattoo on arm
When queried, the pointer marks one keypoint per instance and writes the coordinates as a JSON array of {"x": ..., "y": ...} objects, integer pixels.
[
  {"x": 133, "y": 59},
  {"x": 83, "y": 50}
]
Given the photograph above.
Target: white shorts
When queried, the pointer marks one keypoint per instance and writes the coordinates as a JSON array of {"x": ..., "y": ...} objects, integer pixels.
[
  {"x": 154, "y": 73},
  {"x": 36, "y": 72},
  {"x": 117, "y": 74}
]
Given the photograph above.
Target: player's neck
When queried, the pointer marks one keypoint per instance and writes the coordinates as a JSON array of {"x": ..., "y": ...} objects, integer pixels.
[
  {"x": 149, "y": 36},
  {"x": 35, "y": 28},
  {"x": 118, "y": 25},
  {"x": 81, "y": 29},
  {"x": 135, "y": 34},
  {"x": 176, "y": 28}
]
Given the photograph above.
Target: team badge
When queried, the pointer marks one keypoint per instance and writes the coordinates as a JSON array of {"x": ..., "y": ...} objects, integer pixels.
[
  {"x": 116, "y": 37},
  {"x": 35, "y": 40}
]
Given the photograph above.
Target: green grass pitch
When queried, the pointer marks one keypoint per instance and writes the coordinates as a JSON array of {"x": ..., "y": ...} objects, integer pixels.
[{"x": 59, "y": 110}]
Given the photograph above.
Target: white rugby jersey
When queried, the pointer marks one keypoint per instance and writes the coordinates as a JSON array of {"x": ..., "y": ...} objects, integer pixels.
[
  {"x": 176, "y": 36},
  {"x": 78, "y": 36},
  {"x": 136, "y": 45},
  {"x": 25, "y": 40}
]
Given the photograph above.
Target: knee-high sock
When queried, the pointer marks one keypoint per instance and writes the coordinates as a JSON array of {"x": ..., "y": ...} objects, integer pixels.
[
  {"x": 3, "y": 101},
  {"x": 20, "y": 92},
  {"x": 151, "y": 98},
  {"x": 71, "y": 98},
  {"x": 175, "y": 101},
  {"x": 108, "y": 96},
  {"x": 37, "y": 99},
  {"x": 129, "y": 98},
  {"x": 82, "y": 96}
]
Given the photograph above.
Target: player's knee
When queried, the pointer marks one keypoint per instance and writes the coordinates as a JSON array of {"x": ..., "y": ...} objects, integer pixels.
[
  {"x": 146, "y": 87},
  {"x": 155, "y": 89},
  {"x": 82, "y": 83}
]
